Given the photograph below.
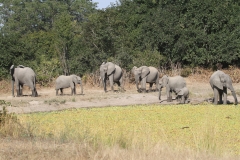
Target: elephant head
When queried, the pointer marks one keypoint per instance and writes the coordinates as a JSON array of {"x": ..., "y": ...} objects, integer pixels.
[
  {"x": 183, "y": 94},
  {"x": 162, "y": 83},
  {"x": 106, "y": 69},
  {"x": 140, "y": 73},
  {"x": 77, "y": 80}
]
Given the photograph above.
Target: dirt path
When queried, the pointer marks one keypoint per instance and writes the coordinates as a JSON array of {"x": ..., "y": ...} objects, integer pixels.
[{"x": 95, "y": 97}]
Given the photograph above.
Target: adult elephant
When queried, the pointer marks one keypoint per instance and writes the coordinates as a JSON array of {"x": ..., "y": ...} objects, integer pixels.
[
  {"x": 145, "y": 75},
  {"x": 68, "y": 81},
  {"x": 23, "y": 75},
  {"x": 172, "y": 84},
  {"x": 112, "y": 72},
  {"x": 219, "y": 82}
]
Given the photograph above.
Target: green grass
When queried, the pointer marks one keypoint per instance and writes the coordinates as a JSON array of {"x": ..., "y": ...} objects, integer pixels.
[{"x": 200, "y": 127}]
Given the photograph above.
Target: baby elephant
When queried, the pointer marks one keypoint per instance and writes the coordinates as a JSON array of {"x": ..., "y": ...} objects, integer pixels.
[
  {"x": 68, "y": 81},
  {"x": 182, "y": 95}
]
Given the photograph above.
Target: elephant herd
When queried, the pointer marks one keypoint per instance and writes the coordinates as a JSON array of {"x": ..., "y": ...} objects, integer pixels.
[{"x": 219, "y": 82}]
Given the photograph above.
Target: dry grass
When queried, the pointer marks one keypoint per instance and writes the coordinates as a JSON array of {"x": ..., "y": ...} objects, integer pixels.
[
  {"x": 203, "y": 75},
  {"x": 52, "y": 150}
]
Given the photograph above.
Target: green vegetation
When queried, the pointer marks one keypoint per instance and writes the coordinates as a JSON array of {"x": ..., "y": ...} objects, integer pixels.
[
  {"x": 214, "y": 129},
  {"x": 63, "y": 37}
]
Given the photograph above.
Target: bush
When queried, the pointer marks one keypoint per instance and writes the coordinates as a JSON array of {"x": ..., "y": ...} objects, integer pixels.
[{"x": 186, "y": 72}]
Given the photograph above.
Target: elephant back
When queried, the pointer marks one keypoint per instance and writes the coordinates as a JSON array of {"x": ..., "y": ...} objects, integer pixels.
[
  {"x": 177, "y": 82},
  {"x": 23, "y": 74},
  {"x": 63, "y": 82}
]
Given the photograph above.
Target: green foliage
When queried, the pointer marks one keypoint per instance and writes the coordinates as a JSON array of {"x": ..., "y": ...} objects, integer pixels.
[
  {"x": 65, "y": 37},
  {"x": 4, "y": 116}
]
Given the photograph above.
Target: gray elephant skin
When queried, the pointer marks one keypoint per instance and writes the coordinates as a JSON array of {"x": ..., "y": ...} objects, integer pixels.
[
  {"x": 182, "y": 95},
  {"x": 172, "y": 84},
  {"x": 68, "y": 81},
  {"x": 220, "y": 82},
  {"x": 112, "y": 72},
  {"x": 23, "y": 76},
  {"x": 145, "y": 75}
]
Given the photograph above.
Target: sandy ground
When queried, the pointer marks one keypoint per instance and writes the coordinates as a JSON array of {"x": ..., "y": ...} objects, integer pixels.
[{"x": 96, "y": 97}]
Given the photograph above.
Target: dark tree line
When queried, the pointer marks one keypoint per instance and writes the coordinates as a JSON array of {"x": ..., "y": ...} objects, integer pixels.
[{"x": 71, "y": 36}]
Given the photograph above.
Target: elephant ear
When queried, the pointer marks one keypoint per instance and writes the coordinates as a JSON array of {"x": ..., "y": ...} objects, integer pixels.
[
  {"x": 12, "y": 70},
  {"x": 218, "y": 83},
  {"x": 20, "y": 66},
  {"x": 133, "y": 69},
  {"x": 110, "y": 68},
  {"x": 74, "y": 79},
  {"x": 165, "y": 80},
  {"x": 145, "y": 72},
  {"x": 12, "y": 67},
  {"x": 180, "y": 93}
]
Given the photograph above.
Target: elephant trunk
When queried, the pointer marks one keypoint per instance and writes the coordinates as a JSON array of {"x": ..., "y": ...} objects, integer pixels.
[
  {"x": 104, "y": 83},
  {"x": 235, "y": 97},
  {"x": 160, "y": 90},
  {"x": 234, "y": 94},
  {"x": 13, "y": 88},
  {"x": 159, "y": 95}
]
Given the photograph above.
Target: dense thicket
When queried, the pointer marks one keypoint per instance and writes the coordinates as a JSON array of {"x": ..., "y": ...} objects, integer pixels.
[{"x": 71, "y": 36}]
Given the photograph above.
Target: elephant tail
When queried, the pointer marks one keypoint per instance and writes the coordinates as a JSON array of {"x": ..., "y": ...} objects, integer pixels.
[{"x": 34, "y": 86}]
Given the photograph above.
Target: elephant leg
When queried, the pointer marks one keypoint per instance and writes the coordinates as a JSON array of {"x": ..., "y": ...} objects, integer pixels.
[
  {"x": 150, "y": 87},
  {"x": 104, "y": 82},
  {"x": 74, "y": 90},
  {"x": 33, "y": 93},
  {"x": 170, "y": 99},
  {"x": 182, "y": 100},
  {"x": 170, "y": 96},
  {"x": 224, "y": 95},
  {"x": 36, "y": 93},
  {"x": 220, "y": 95},
  {"x": 143, "y": 84},
  {"x": 121, "y": 84},
  {"x": 61, "y": 90},
  {"x": 111, "y": 82},
  {"x": 119, "y": 88},
  {"x": 215, "y": 91},
  {"x": 20, "y": 90},
  {"x": 178, "y": 98}
]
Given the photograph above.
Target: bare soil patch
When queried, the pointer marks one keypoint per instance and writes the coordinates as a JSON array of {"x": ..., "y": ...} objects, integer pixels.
[{"x": 96, "y": 97}]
